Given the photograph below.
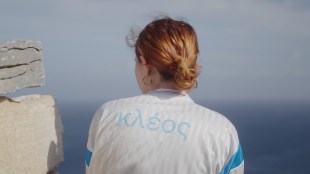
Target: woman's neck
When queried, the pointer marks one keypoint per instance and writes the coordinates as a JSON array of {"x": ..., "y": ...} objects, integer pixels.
[
  {"x": 167, "y": 85},
  {"x": 159, "y": 82}
]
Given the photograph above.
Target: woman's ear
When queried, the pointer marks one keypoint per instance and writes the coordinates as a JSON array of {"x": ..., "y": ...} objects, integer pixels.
[
  {"x": 147, "y": 65},
  {"x": 142, "y": 59}
]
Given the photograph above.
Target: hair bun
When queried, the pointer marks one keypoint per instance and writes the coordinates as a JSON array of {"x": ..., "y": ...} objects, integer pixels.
[{"x": 185, "y": 77}]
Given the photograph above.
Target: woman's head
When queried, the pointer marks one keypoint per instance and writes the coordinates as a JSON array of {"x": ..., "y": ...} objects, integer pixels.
[{"x": 171, "y": 47}]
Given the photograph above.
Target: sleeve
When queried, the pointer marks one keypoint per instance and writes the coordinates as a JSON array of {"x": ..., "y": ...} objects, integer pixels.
[
  {"x": 235, "y": 161},
  {"x": 91, "y": 139}
]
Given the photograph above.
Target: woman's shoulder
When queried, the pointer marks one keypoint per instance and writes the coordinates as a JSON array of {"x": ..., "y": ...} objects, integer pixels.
[
  {"x": 124, "y": 101},
  {"x": 213, "y": 118},
  {"x": 114, "y": 105}
]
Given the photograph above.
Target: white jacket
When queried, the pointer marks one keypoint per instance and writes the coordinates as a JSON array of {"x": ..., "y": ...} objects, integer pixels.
[{"x": 161, "y": 132}]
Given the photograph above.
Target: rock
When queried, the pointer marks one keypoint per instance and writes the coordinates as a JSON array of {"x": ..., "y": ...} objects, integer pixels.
[
  {"x": 31, "y": 135},
  {"x": 21, "y": 65}
]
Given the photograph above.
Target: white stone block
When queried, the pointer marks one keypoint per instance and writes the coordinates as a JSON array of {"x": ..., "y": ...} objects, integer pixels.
[
  {"x": 21, "y": 65},
  {"x": 31, "y": 135}
]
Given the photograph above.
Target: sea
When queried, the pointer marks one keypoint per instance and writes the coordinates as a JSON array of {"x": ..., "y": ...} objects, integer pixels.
[{"x": 275, "y": 136}]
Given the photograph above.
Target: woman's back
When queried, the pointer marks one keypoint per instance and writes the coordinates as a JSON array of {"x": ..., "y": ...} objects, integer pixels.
[{"x": 162, "y": 131}]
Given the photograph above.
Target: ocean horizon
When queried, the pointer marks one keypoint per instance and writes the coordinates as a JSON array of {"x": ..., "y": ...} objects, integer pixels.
[{"x": 274, "y": 135}]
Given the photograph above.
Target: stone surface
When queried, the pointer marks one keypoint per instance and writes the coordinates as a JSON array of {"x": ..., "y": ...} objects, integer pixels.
[
  {"x": 21, "y": 65},
  {"x": 31, "y": 135}
]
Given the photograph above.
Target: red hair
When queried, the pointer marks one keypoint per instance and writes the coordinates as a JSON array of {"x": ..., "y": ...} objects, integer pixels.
[{"x": 172, "y": 47}]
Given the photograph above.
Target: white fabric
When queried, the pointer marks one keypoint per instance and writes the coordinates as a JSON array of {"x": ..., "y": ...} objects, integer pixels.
[
  {"x": 161, "y": 132},
  {"x": 239, "y": 169}
]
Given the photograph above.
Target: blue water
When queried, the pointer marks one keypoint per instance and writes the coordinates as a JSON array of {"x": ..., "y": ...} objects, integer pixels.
[{"x": 275, "y": 136}]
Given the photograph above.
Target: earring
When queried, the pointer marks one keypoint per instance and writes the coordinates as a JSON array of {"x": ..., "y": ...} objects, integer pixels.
[{"x": 147, "y": 84}]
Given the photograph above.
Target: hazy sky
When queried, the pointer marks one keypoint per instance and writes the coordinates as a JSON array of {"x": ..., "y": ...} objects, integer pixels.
[{"x": 249, "y": 50}]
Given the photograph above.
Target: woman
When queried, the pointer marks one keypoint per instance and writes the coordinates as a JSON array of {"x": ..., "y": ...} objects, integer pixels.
[{"x": 163, "y": 131}]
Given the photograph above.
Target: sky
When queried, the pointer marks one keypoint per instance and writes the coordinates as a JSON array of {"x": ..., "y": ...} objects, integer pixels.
[{"x": 250, "y": 50}]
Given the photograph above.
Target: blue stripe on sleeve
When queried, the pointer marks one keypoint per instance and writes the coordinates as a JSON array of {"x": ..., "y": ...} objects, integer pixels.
[
  {"x": 234, "y": 162},
  {"x": 88, "y": 156}
]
